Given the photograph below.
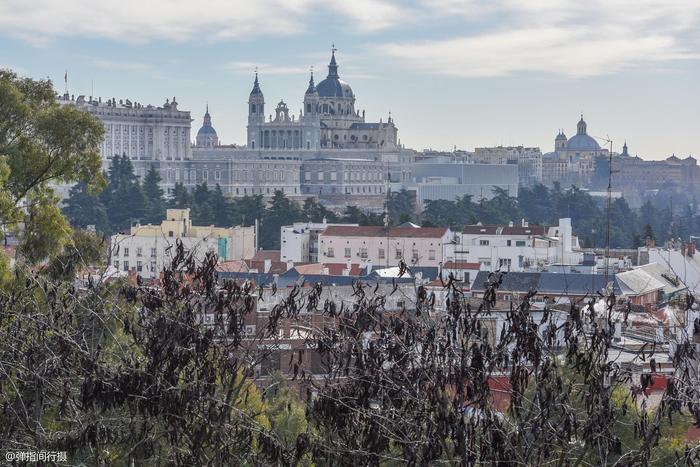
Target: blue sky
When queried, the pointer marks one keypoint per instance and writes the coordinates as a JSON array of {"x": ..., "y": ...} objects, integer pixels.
[{"x": 452, "y": 72}]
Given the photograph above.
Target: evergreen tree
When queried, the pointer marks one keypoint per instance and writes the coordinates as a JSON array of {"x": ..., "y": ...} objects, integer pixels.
[
  {"x": 181, "y": 198},
  {"x": 281, "y": 211},
  {"x": 153, "y": 194},
  {"x": 123, "y": 197},
  {"x": 316, "y": 212},
  {"x": 83, "y": 209},
  {"x": 400, "y": 203},
  {"x": 221, "y": 207},
  {"x": 202, "y": 212},
  {"x": 247, "y": 209}
]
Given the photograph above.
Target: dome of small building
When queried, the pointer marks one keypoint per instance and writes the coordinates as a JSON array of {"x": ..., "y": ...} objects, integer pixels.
[
  {"x": 206, "y": 136},
  {"x": 333, "y": 86},
  {"x": 206, "y": 130}
]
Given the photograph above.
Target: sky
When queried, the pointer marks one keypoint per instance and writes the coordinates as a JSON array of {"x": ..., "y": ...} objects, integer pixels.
[{"x": 464, "y": 73}]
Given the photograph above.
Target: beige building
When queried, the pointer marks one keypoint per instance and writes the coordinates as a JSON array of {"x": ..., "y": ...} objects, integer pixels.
[
  {"x": 147, "y": 249},
  {"x": 385, "y": 246}
]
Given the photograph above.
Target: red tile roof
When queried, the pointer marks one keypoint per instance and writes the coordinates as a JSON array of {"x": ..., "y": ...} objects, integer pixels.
[
  {"x": 460, "y": 265},
  {"x": 262, "y": 255},
  {"x": 378, "y": 231},
  {"x": 336, "y": 269},
  {"x": 313, "y": 268},
  {"x": 235, "y": 265}
]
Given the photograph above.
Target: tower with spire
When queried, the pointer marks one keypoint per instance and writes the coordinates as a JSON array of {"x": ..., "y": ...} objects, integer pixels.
[
  {"x": 256, "y": 114},
  {"x": 327, "y": 120},
  {"x": 311, "y": 119}
]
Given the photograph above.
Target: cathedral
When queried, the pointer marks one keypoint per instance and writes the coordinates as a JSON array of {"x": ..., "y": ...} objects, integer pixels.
[{"x": 328, "y": 120}]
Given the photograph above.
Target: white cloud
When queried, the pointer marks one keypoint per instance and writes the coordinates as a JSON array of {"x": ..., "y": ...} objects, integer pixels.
[
  {"x": 136, "y": 21},
  {"x": 561, "y": 37}
]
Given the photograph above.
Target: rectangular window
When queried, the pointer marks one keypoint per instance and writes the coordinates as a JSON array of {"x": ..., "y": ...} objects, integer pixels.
[
  {"x": 307, "y": 176},
  {"x": 139, "y": 266},
  {"x": 126, "y": 252},
  {"x": 483, "y": 242},
  {"x": 398, "y": 254},
  {"x": 320, "y": 176},
  {"x": 334, "y": 176},
  {"x": 348, "y": 253},
  {"x": 414, "y": 254},
  {"x": 153, "y": 266},
  {"x": 504, "y": 263},
  {"x": 520, "y": 243},
  {"x": 508, "y": 243},
  {"x": 116, "y": 264},
  {"x": 381, "y": 253},
  {"x": 431, "y": 254},
  {"x": 330, "y": 252},
  {"x": 153, "y": 252},
  {"x": 363, "y": 252},
  {"x": 126, "y": 265},
  {"x": 139, "y": 251}
]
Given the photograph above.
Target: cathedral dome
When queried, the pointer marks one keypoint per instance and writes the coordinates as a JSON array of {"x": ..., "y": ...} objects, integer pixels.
[
  {"x": 333, "y": 86},
  {"x": 582, "y": 143},
  {"x": 206, "y": 130}
]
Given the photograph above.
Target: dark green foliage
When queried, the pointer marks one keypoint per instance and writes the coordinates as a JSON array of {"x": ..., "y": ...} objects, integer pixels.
[
  {"x": 354, "y": 215},
  {"x": 83, "y": 209},
  {"x": 280, "y": 211},
  {"x": 153, "y": 194},
  {"x": 123, "y": 197},
  {"x": 316, "y": 212},
  {"x": 401, "y": 206}
]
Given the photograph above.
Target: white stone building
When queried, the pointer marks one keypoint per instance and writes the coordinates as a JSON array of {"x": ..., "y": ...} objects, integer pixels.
[
  {"x": 386, "y": 246},
  {"x": 142, "y": 132},
  {"x": 299, "y": 241},
  {"x": 147, "y": 249},
  {"x": 518, "y": 247}
]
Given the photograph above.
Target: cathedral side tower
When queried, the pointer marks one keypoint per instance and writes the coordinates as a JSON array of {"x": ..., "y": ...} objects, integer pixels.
[
  {"x": 256, "y": 115},
  {"x": 311, "y": 121}
]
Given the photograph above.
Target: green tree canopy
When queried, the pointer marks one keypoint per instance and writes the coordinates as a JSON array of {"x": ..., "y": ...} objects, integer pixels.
[{"x": 42, "y": 143}]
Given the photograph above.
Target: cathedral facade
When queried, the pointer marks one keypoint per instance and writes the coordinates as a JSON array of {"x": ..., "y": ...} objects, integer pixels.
[{"x": 328, "y": 120}]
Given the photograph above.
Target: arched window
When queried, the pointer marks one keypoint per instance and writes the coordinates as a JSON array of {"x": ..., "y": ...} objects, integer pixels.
[
  {"x": 252, "y": 144},
  {"x": 308, "y": 108},
  {"x": 252, "y": 108}
]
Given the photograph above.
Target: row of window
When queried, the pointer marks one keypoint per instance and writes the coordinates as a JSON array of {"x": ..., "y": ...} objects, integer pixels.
[
  {"x": 381, "y": 253},
  {"x": 347, "y": 176},
  {"x": 484, "y": 242},
  {"x": 139, "y": 251},
  {"x": 139, "y": 266}
]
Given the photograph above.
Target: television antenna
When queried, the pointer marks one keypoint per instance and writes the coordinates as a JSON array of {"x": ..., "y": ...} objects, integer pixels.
[{"x": 609, "y": 141}]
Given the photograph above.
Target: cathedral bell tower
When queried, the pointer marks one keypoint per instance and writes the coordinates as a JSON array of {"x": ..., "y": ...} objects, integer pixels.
[
  {"x": 312, "y": 117},
  {"x": 256, "y": 114}
]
